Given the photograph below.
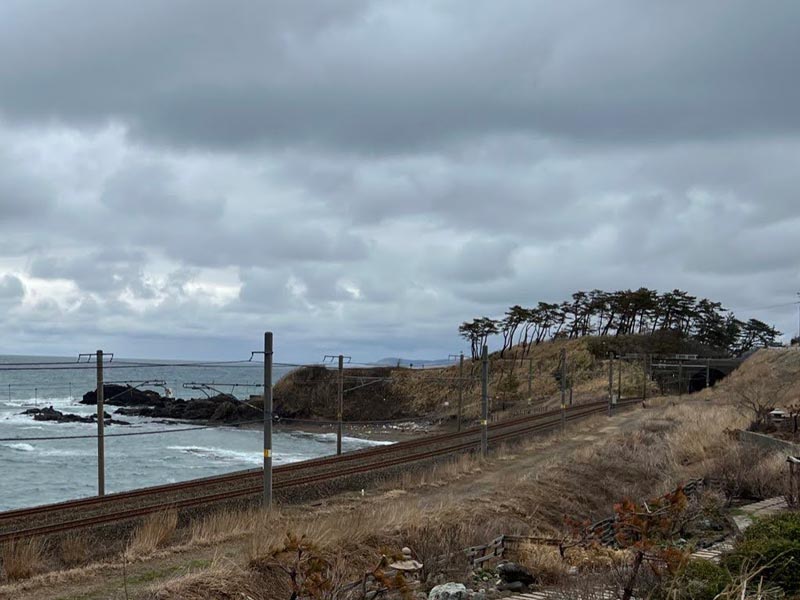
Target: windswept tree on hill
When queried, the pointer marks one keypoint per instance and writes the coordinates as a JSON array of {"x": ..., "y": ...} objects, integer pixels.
[
  {"x": 623, "y": 312},
  {"x": 477, "y": 332}
]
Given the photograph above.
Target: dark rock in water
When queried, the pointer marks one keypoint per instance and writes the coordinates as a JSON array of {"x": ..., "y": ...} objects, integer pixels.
[
  {"x": 218, "y": 409},
  {"x": 50, "y": 414},
  {"x": 124, "y": 395},
  {"x": 512, "y": 572}
]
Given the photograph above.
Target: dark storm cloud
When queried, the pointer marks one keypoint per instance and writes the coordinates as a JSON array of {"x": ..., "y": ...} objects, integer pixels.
[
  {"x": 371, "y": 173},
  {"x": 381, "y": 76}
]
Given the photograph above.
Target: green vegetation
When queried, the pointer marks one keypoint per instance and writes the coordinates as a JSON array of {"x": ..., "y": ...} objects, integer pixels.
[
  {"x": 771, "y": 546},
  {"x": 699, "y": 580}
]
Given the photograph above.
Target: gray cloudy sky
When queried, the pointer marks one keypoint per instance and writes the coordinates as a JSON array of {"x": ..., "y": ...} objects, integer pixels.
[{"x": 361, "y": 176}]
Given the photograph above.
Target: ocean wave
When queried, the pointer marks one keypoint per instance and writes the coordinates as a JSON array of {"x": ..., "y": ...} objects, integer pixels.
[
  {"x": 41, "y": 402},
  {"x": 21, "y": 447},
  {"x": 329, "y": 438},
  {"x": 220, "y": 454},
  {"x": 225, "y": 455}
]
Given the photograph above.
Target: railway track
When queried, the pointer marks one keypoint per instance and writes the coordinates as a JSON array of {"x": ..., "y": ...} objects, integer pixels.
[{"x": 96, "y": 511}]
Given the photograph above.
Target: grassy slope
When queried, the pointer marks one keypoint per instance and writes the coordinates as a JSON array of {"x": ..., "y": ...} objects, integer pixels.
[{"x": 311, "y": 392}]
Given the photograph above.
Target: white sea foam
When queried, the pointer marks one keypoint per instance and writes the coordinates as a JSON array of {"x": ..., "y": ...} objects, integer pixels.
[
  {"x": 41, "y": 402},
  {"x": 220, "y": 454},
  {"x": 67, "y": 452},
  {"x": 329, "y": 438},
  {"x": 21, "y": 447}
]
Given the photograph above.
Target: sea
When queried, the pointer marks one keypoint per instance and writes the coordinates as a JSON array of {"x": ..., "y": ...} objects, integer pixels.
[{"x": 35, "y": 471}]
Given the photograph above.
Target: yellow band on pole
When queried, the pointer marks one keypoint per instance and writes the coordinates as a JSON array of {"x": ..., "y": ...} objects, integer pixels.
[
  {"x": 484, "y": 422},
  {"x": 267, "y": 453}
]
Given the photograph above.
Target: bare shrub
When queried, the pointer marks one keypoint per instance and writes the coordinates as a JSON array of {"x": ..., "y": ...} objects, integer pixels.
[
  {"x": 758, "y": 389},
  {"x": 545, "y": 561},
  {"x": 155, "y": 531},
  {"x": 22, "y": 558},
  {"x": 748, "y": 472}
]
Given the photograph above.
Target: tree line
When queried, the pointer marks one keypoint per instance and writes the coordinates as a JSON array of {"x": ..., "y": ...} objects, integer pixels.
[{"x": 623, "y": 312}]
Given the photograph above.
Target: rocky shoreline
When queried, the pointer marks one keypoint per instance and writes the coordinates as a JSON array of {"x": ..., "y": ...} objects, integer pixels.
[{"x": 219, "y": 410}]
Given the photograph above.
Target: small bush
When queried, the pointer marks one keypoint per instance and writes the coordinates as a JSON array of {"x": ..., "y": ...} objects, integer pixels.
[
  {"x": 785, "y": 526},
  {"x": 772, "y": 544},
  {"x": 698, "y": 580}
]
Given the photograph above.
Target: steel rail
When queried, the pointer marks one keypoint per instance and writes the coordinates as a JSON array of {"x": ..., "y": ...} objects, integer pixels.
[
  {"x": 323, "y": 461},
  {"x": 529, "y": 424}
]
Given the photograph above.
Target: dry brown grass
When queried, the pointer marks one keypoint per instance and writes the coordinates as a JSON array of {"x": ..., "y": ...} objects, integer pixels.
[
  {"x": 74, "y": 550},
  {"x": 153, "y": 533},
  {"x": 223, "y": 580},
  {"x": 229, "y": 524},
  {"x": 23, "y": 558},
  {"x": 545, "y": 561},
  {"x": 700, "y": 431}
]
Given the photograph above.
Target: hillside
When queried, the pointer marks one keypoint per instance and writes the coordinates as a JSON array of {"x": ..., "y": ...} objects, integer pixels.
[{"x": 392, "y": 392}]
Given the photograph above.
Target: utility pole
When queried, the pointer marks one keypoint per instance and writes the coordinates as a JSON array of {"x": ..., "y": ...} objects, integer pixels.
[
  {"x": 798, "y": 317},
  {"x": 708, "y": 372},
  {"x": 340, "y": 405},
  {"x": 267, "y": 497},
  {"x": 680, "y": 380},
  {"x": 101, "y": 450},
  {"x": 485, "y": 402},
  {"x": 619, "y": 382},
  {"x": 644, "y": 378},
  {"x": 460, "y": 390},
  {"x": 610, "y": 383},
  {"x": 530, "y": 379},
  {"x": 563, "y": 388}
]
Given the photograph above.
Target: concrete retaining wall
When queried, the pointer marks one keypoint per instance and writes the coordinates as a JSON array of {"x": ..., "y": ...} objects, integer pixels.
[{"x": 769, "y": 443}]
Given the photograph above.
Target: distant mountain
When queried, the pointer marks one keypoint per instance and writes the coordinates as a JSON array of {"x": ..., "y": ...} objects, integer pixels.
[{"x": 411, "y": 362}]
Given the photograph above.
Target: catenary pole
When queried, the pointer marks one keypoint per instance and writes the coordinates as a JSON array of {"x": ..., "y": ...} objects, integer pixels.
[
  {"x": 563, "y": 388},
  {"x": 644, "y": 377},
  {"x": 460, "y": 390},
  {"x": 340, "y": 405},
  {"x": 610, "y": 383},
  {"x": 530, "y": 379},
  {"x": 101, "y": 451},
  {"x": 267, "y": 497},
  {"x": 485, "y": 401}
]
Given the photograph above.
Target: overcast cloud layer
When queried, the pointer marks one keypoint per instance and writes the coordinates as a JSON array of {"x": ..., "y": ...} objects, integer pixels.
[{"x": 361, "y": 176}]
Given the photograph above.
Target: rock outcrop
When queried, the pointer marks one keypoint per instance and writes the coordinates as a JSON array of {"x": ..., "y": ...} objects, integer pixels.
[
  {"x": 123, "y": 395},
  {"x": 218, "y": 409},
  {"x": 50, "y": 414}
]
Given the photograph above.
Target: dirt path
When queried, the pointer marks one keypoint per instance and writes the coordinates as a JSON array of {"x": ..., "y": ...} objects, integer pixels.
[{"x": 106, "y": 581}]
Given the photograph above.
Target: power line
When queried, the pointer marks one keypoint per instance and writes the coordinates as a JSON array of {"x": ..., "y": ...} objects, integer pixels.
[
  {"x": 784, "y": 305},
  {"x": 132, "y": 433}
]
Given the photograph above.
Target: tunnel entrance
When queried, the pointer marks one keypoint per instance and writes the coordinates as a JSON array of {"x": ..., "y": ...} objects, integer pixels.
[{"x": 697, "y": 381}]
